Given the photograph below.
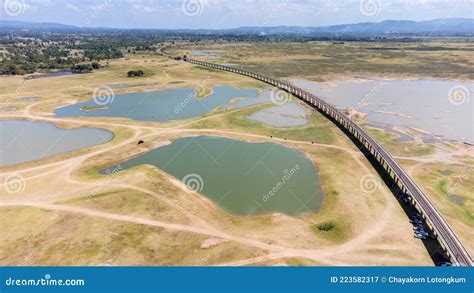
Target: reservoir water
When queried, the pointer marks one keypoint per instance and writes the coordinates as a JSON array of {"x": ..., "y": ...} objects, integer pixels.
[
  {"x": 243, "y": 178},
  {"x": 286, "y": 115},
  {"x": 27, "y": 99},
  {"x": 423, "y": 104},
  {"x": 50, "y": 74},
  {"x": 23, "y": 141},
  {"x": 164, "y": 105},
  {"x": 204, "y": 53}
]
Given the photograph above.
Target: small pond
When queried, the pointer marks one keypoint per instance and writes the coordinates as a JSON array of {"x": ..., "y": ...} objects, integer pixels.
[
  {"x": 286, "y": 115},
  {"x": 243, "y": 178},
  {"x": 23, "y": 141},
  {"x": 164, "y": 105}
]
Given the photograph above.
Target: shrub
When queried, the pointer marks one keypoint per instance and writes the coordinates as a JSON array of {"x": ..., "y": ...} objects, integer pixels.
[
  {"x": 133, "y": 73},
  {"x": 95, "y": 65},
  {"x": 326, "y": 226},
  {"x": 81, "y": 68}
]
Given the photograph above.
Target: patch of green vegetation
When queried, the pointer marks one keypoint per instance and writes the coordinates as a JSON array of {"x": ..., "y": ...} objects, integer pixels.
[
  {"x": 91, "y": 197},
  {"x": 457, "y": 182},
  {"x": 201, "y": 68},
  {"x": 85, "y": 68},
  {"x": 468, "y": 160},
  {"x": 336, "y": 231},
  {"x": 93, "y": 172},
  {"x": 135, "y": 73},
  {"x": 446, "y": 172},
  {"x": 326, "y": 226},
  {"x": 317, "y": 130},
  {"x": 91, "y": 108},
  {"x": 235, "y": 220},
  {"x": 127, "y": 201},
  {"x": 254, "y": 84},
  {"x": 299, "y": 262},
  {"x": 409, "y": 148},
  {"x": 442, "y": 187}
]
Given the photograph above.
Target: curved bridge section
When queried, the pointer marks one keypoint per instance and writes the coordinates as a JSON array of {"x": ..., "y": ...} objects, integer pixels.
[{"x": 441, "y": 230}]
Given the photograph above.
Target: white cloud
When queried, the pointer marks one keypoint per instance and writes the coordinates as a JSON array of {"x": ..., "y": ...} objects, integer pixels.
[
  {"x": 73, "y": 7},
  {"x": 234, "y": 13},
  {"x": 42, "y": 2}
]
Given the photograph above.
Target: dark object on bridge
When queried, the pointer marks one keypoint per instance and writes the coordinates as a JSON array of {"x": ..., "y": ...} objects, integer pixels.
[
  {"x": 140, "y": 141},
  {"x": 312, "y": 142},
  {"x": 271, "y": 136},
  {"x": 284, "y": 138}
]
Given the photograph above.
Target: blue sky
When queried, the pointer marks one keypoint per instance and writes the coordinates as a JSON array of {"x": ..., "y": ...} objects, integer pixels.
[{"x": 227, "y": 13}]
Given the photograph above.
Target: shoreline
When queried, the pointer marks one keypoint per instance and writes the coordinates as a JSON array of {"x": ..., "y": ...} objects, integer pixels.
[{"x": 363, "y": 78}]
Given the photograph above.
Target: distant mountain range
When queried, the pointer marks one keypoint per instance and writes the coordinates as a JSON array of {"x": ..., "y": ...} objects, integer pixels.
[
  {"x": 448, "y": 26},
  {"x": 35, "y": 26}
]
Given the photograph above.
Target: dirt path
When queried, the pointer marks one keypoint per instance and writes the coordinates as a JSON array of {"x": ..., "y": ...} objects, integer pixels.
[
  {"x": 65, "y": 168},
  {"x": 286, "y": 252}
]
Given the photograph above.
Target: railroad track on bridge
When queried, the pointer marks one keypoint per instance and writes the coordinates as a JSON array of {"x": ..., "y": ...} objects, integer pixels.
[{"x": 454, "y": 248}]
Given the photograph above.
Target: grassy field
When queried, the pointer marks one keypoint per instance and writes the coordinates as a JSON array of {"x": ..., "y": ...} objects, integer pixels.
[
  {"x": 32, "y": 237},
  {"x": 410, "y": 148},
  {"x": 316, "y": 130},
  {"x": 322, "y": 61}
]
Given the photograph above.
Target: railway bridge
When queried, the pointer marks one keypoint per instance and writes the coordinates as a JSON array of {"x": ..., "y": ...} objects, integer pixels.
[{"x": 448, "y": 240}]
